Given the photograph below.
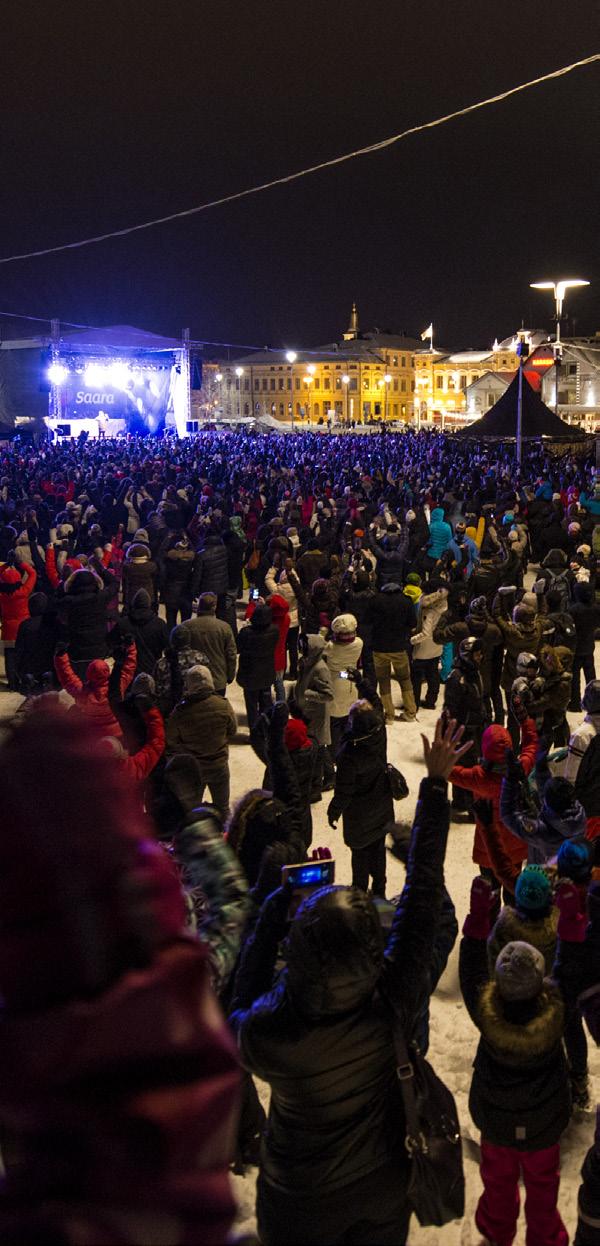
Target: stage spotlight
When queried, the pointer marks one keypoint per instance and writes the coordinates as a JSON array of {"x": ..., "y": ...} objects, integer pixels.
[
  {"x": 57, "y": 373},
  {"x": 154, "y": 390},
  {"x": 119, "y": 375},
  {"x": 140, "y": 406},
  {"x": 93, "y": 375}
]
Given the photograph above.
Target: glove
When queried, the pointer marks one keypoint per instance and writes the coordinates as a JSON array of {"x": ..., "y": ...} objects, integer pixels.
[
  {"x": 514, "y": 769},
  {"x": 61, "y": 648},
  {"x": 539, "y": 587},
  {"x": 478, "y": 920},
  {"x": 571, "y": 922},
  {"x": 320, "y": 854},
  {"x": 519, "y": 708},
  {"x": 484, "y": 810}
]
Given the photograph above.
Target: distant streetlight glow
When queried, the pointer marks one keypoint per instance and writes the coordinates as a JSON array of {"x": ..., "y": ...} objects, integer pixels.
[
  {"x": 312, "y": 368},
  {"x": 559, "y": 289},
  {"x": 291, "y": 356}
]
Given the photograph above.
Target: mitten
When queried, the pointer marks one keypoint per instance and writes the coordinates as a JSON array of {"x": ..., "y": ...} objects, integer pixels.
[
  {"x": 571, "y": 922},
  {"x": 478, "y": 920},
  {"x": 320, "y": 854}
]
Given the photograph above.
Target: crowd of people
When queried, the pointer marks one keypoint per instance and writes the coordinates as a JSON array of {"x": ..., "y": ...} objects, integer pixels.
[{"x": 328, "y": 577}]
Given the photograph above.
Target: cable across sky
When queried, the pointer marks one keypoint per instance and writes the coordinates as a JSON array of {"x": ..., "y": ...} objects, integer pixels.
[{"x": 315, "y": 168}]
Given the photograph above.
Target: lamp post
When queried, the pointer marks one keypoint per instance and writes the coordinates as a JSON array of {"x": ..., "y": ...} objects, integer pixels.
[
  {"x": 559, "y": 288},
  {"x": 386, "y": 380},
  {"x": 308, "y": 383},
  {"x": 239, "y": 372},
  {"x": 345, "y": 383},
  {"x": 291, "y": 356},
  {"x": 218, "y": 379}
]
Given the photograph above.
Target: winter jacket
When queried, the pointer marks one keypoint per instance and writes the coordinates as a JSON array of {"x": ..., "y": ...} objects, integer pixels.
[
  {"x": 139, "y": 571},
  {"x": 281, "y": 618},
  {"x": 235, "y": 545},
  {"x": 203, "y": 725},
  {"x": 362, "y": 794},
  {"x": 211, "y": 570},
  {"x": 431, "y": 608},
  {"x": 518, "y": 638},
  {"x": 358, "y": 603},
  {"x": 85, "y": 614},
  {"x": 284, "y": 588},
  {"x": 327, "y": 1050},
  {"x": 520, "y": 1094},
  {"x": 580, "y": 740},
  {"x": 256, "y": 645},
  {"x": 215, "y": 638},
  {"x": 463, "y": 697},
  {"x": 91, "y": 697},
  {"x": 216, "y": 892},
  {"x": 14, "y": 605},
  {"x": 314, "y": 689},
  {"x": 590, "y": 502},
  {"x": 339, "y": 656},
  {"x": 556, "y": 693},
  {"x": 465, "y": 554},
  {"x": 149, "y": 632},
  {"x": 390, "y": 557},
  {"x": 176, "y": 571},
  {"x": 485, "y": 780},
  {"x": 310, "y": 565},
  {"x": 491, "y": 641},
  {"x": 139, "y": 765},
  {"x": 35, "y": 644},
  {"x": 586, "y": 618},
  {"x": 440, "y": 534},
  {"x": 393, "y": 620},
  {"x": 542, "y": 835}
]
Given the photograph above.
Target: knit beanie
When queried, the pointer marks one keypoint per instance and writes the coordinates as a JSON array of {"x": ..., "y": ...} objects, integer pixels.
[
  {"x": 141, "y": 535},
  {"x": 198, "y": 679},
  {"x": 532, "y": 891},
  {"x": 414, "y": 578},
  {"x": 64, "y": 531},
  {"x": 573, "y": 861},
  {"x": 529, "y": 600},
  {"x": 519, "y": 971},
  {"x": 559, "y": 795},
  {"x": 235, "y": 523},
  {"x": 344, "y": 625},
  {"x": 180, "y": 637},
  {"x": 143, "y": 685},
  {"x": 295, "y": 735},
  {"x": 513, "y": 535}
]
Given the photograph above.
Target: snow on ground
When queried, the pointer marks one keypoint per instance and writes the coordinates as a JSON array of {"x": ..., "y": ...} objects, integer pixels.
[{"x": 453, "y": 1037}]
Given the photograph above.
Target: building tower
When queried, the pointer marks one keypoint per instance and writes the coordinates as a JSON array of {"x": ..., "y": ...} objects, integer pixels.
[{"x": 351, "y": 333}]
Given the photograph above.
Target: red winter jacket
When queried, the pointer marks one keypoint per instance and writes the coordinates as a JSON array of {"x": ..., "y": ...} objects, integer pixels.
[
  {"x": 91, "y": 697},
  {"x": 487, "y": 783},
  {"x": 14, "y": 607},
  {"x": 140, "y": 764}
]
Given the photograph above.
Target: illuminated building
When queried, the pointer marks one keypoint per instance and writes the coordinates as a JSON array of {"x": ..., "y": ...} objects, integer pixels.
[
  {"x": 442, "y": 379},
  {"x": 364, "y": 377}
]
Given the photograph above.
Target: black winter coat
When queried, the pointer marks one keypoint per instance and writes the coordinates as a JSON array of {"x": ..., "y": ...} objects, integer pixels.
[
  {"x": 587, "y": 621},
  {"x": 149, "y": 631},
  {"x": 211, "y": 570},
  {"x": 393, "y": 619},
  {"x": 34, "y": 646},
  {"x": 463, "y": 697},
  {"x": 86, "y": 617},
  {"x": 520, "y": 1093},
  {"x": 363, "y": 793},
  {"x": 176, "y": 571},
  {"x": 256, "y": 647},
  {"x": 235, "y": 546},
  {"x": 328, "y": 1054}
]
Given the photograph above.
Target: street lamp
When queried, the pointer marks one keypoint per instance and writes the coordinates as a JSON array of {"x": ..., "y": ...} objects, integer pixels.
[
  {"x": 559, "y": 288},
  {"x": 308, "y": 382},
  {"x": 218, "y": 379},
  {"x": 239, "y": 372},
  {"x": 291, "y": 356},
  {"x": 386, "y": 380},
  {"x": 345, "y": 383}
]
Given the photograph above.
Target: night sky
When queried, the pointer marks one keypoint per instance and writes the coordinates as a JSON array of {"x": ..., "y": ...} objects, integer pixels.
[{"x": 117, "y": 112}]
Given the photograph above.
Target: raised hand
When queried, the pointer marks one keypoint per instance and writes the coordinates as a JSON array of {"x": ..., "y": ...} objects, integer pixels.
[{"x": 445, "y": 750}]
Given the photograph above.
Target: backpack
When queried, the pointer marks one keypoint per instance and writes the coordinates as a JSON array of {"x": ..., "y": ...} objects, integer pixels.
[
  {"x": 559, "y": 583},
  {"x": 587, "y": 783}
]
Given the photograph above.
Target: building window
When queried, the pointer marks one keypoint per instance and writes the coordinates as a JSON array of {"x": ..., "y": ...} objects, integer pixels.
[
  {"x": 377, "y": 408},
  {"x": 490, "y": 400},
  {"x": 403, "y": 385},
  {"x": 281, "y": 382},
  {"x": 463, "y": 381},
  {"x": 395, "y": 384},
  {"x": 439, "y": 381},
  {"x": 404, "y": 361},
  {"x": 256, "y": 383},
  {"x": 395, "y": 410},
  {"x": 246, "y": 385},
  {"x": 281, "y": 408},
  {"x": 353, "y": 383},
  {"x": 326, "y": 382},
  {"x": 246, "y": 408},
  {"x": 412, "y": 386},
  {"x": 395, "y": 361},
  {"x": 297, "y": 381},
  {"x": 315, "y": 408},
  {"x": 265, "y": 383},
  {"x": 338, "y": 382},
  {"x": 272, "y": 382}
]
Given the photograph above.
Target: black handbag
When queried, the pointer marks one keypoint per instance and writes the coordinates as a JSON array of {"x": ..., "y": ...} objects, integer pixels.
[
  {"x": 398, "y": 783},
  {"x": 436, "y": 1182}
]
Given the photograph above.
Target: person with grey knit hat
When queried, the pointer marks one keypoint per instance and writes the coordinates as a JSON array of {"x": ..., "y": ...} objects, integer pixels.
[
  {"x": 203, "y": 724},
  {"x": 520, "y": 1095},
  {"x": 170, "y": 670}
]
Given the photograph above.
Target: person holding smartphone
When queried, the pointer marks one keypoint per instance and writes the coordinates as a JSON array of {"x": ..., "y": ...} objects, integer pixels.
[{"x": 334, "y": 1165}]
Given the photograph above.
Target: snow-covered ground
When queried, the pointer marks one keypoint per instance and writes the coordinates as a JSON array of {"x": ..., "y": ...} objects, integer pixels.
[{"x": 453, "y": 1037}]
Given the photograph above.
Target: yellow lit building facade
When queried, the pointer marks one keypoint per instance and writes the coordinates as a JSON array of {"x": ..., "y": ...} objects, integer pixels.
[
  {"x": 441, "y": 379},
  {"x": 363, "y": 378}
]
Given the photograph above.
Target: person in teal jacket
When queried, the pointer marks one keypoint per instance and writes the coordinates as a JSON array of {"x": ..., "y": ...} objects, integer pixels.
[
  {"x": 440, "y": 534},
  {"x": 591, "y": 501}
]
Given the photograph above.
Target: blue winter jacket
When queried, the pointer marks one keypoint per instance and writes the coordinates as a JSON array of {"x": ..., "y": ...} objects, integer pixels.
[
  {"x": 440, "y": 534},
  {"x": 471, "y": 549},
  {"x": 591, "y": 503},
  {"x": 544, "y": 834}
]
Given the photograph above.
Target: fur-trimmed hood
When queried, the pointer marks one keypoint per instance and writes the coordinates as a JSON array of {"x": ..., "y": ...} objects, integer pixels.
[{"x": 521, "y": 1042}]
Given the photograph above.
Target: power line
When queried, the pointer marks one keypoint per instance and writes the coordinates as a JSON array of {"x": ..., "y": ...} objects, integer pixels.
[{"x": 315, "y": 168}]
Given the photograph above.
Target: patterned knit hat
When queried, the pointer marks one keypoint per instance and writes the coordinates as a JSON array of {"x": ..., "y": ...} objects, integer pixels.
[{"x": 533, "y": 892}]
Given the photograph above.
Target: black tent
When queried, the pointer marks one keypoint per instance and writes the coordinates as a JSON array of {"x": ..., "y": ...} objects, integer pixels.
[{"x": 537, "y": 419}]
